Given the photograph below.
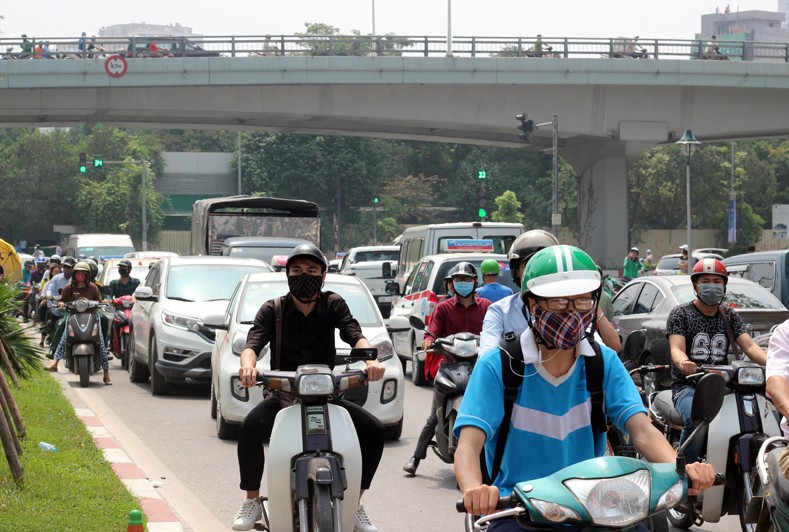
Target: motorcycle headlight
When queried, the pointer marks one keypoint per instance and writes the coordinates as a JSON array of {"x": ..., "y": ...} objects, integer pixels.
[
  {"x": 384, "y": 345},
  {"x": 127, "y": 303},
  {"x": 672, "y": 496},
  {"x": 81, "y": 305},
  {"x": 751, "y": 376},
  {"x": 464, "y": 348},
  {"x": 318, "y": 384},
  {"x": 556, "y": 513},
  {"x": 614, "y": 502},
  {"x": 239, "y": 342},
  {"x": 181, "y": 322}
]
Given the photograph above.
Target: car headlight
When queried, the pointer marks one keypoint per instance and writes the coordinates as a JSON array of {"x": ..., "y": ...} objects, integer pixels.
[
  {"x": 384, "y": 345},
  {"x": 317, "y": 384},
  {"x": 672, "y": 496},
  {"x": 239, "y": 342},
  {"x": 614, "y": 502},
  {"x": 751, "y": 376},
  {"x": 181, "y": 322}
]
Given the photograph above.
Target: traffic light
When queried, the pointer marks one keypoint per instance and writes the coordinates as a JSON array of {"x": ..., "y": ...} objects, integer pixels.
[
  {"x": 98, "y": 163},
  {"x": 375, "y": 200},
  {"x": 526, "y": 127},
  {"x": 482, "y": 201},
  {"x": 83, "y": 163},
  {"x": 482, "y": 174}
]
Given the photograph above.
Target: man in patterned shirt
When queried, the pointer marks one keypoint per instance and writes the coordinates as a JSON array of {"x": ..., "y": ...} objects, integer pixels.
[{"x": 697, "y": 335}]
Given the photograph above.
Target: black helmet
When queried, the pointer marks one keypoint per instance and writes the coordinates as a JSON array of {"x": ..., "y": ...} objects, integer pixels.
[
  {"x": 527, "y": 245},
  {"x": 463, "y": 268},
  {"x": 68, "y": 261},
  {"x": 94, "y": 269},
  {"x": 307, "y": 250},
  {"x": 125, "y": 263}
]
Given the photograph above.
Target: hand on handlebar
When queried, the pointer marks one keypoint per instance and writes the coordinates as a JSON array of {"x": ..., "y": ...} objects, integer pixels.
[
  {"x": 688, "y": 367},
  {"x": 426, "y": 344},
  {"x": 701, "y": 476},
  {"x": 375, "y": 371},
  {"x": 481, "y": 500},
  {"x": 248, "y": 376}
]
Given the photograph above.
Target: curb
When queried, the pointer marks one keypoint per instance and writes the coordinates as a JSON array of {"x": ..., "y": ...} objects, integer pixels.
[{"x": 161, "y": 517}]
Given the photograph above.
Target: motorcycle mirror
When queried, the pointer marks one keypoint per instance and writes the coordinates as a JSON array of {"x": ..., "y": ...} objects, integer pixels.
[
  {"x": 363, "y": 353},
  {"x": 708, "y": 399},
  {"x": 417, "y": 323},
  {"x": 634, "y": 345}
]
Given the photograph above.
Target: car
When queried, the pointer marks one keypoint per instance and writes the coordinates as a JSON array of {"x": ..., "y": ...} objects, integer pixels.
[
  {"x": 424, "y": 288},
  {"x": 768, "y": 268},
  {"x": 669, "y": 264},
  {"x": 169, "y": 342},
  {"x": 230, "y": 403},
  {"x": 642, "y": 306},
  {"x": 270, "y": 249},
  {"x": 150, "y": 254},
  {"x": 168, "y": 45},
  {"x": 374, "y": 265}
]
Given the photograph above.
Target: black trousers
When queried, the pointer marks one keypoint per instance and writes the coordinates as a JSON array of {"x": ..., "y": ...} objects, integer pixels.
[
  {"x": 256, "y": 430},
  {"x": 429, "y": 430}
]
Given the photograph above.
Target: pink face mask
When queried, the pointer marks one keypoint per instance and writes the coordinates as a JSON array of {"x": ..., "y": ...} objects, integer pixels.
[{"x": 80, "y": 277}]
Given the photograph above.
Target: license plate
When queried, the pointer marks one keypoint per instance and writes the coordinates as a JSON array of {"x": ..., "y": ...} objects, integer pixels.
[{"x": 386, "y": 299}]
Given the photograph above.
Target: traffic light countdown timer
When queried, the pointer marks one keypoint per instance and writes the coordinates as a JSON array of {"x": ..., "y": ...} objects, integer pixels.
[
  {"x": 482, "y": 194},
  {"x": 83, "y": 163}
]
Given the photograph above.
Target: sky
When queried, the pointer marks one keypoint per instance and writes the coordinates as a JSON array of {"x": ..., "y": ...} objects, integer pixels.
[{"x": 662, "y": 19}]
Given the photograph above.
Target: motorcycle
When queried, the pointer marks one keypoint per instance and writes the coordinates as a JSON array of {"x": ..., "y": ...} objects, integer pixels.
[
  {"x": 324, "y": 464},
  {"x": 770, "y": 512},
  {"x": 733, "y": 441},
  {"x": 83, "y": 342},
  {"x": 120, "y": 327},
  {"x": 610, "y": 492}
]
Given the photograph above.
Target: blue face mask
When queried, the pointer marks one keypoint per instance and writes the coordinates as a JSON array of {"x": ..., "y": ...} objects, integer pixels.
[{"x": 463, "y": 289}]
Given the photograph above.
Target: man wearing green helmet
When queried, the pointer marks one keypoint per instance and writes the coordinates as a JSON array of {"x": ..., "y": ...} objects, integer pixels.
[
  {"x": 492, "y": 290},
  {"x": 551, "y": 419}
]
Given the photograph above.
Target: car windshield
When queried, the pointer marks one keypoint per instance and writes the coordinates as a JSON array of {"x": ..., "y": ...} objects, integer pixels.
[
  {"x": 205, "y": 282},
  {"x": 738, "y": 296},
  {"x": 266, "y": 254},
  {"x": 137, "y": 273},
  {"x": 367, "y": 256},
  {"x": 668, "y": 263},
  {"x": 505, "y": 278},
  {"x": 102, "y": 251},
  {"x": 361, "y": 304}
]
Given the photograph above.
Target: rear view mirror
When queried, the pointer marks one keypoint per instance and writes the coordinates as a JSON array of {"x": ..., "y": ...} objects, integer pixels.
[
  {"x": 416, "y": 323},
  {"x": 386, "y": 269},
  {"x": 708, "y": 399},
  {"x": 398, "y": 324},
  {"x": 364, "y": 353},
  {"x": 392, "y": 288},
  {"x": 333, "y": 268},
  {"x": 215, "y": 321}
]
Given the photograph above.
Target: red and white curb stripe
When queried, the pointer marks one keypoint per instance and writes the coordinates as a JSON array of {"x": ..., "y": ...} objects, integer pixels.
[{"x": 161, "y": 517}]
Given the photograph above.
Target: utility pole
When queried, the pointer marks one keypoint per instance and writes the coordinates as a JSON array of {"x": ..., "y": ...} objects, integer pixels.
[{"x": 143, "y": 199}]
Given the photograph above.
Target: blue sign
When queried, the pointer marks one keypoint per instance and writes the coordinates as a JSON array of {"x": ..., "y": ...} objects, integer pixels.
[
  {"x": 470, "y": 245},
  {"x": 732, "y": 219}
]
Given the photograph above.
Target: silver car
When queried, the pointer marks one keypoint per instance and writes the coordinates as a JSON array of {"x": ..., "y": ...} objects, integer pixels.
[
  {"x": 168, "y": 340},
  {"x": 230, "y": 402}
]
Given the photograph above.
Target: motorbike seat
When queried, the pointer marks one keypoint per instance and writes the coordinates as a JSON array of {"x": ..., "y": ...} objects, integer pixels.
[
  {"x": 663, "y": 406},
  {"x": 780, "y": 482}
]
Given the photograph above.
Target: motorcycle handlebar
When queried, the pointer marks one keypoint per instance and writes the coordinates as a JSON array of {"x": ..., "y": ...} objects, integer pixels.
[
  {"x": 503, "y": 504},
  {"x": 649, "y": 368}
]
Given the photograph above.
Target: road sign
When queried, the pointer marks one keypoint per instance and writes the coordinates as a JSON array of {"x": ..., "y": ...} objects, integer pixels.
[{"x": 116, "y": 66}]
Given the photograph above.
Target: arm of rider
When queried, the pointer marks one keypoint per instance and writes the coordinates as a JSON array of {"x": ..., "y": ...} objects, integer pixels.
[
  {"x": 752, "y": 349},
  {"x": 778, "y": 390},
  {"x": 678, "y": 355},
  {"x": 248, "y": 373},
  {"x": 607, "y": 332},
  {"x": 479, "y": 498},
  {"x": 655, "y": 448},
  {"x": 375, "y": 371}
]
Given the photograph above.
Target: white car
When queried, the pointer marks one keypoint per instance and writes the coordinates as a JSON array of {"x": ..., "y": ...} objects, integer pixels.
[
  {"x": 230, "y": 402},
  {"x": 168, "y": 340}
]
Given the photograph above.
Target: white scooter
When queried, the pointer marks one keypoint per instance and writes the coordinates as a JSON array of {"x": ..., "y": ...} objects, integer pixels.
[{"x": 325, "y": 464}]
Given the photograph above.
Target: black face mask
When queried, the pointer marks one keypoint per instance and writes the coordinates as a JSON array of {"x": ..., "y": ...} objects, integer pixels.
[
  {"x": 123, "y": 273},
  {"x": 304, "y": 286}
]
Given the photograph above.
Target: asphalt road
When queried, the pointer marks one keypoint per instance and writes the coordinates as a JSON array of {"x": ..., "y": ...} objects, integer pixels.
[{"x": 173, "y": 440}]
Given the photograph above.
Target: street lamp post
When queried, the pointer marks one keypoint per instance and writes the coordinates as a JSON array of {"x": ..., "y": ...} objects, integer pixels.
[
  {"x": 143, "y": 201},
  {"x": 688, "y": 143}
]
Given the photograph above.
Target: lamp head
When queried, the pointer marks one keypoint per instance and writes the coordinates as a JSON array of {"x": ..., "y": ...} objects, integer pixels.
[{"x": 688, "y": 142}]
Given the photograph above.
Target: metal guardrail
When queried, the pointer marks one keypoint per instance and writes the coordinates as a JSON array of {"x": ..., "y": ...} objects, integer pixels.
[{"x": 394, "y": 45}]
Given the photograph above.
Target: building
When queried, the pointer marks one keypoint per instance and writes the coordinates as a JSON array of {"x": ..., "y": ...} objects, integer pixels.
[
  {"x": 759, "y": 26},
  {"x": 141, "y": 28}
]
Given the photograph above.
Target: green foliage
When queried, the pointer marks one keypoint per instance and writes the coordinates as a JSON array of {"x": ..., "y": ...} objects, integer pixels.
[
  {"x": 507, "y": 208},
  {"x": 74, "y": 488},
  {"x": 325, "y": 39},
  {"x": 23, "y": 354}
]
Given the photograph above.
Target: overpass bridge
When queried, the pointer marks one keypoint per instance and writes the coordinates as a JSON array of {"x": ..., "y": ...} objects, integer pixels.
[{"x": 610, "y": 110}]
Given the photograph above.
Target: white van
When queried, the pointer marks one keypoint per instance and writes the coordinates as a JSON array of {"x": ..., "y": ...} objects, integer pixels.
[
  {"x": 417, "y": 242},
  {"x": 100, "y": 245}
]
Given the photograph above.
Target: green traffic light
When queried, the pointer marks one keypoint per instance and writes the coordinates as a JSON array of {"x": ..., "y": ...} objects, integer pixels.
[
  {"x": 98, "y": 163},
  {"x": 375, "y": 200},
  {"x": 83, "y": 169},
  {"x": 482, "y": 213}
]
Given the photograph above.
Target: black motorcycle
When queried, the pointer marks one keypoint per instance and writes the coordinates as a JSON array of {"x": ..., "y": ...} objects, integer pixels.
[{"x": 83, "y": 341}]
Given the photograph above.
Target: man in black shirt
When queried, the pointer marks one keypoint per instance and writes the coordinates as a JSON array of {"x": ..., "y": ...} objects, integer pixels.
[
  {"x": 126, "y": 285},
  {"x": 309, "y": 317}
]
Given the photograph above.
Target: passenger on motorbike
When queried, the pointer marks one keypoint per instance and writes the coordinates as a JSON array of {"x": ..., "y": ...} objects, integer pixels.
[
  {"x": 54, "y": 260},
  {"x": 492, "y": 290},
  {"x": 28, "y": 268},
  {"x": 462, "y": 313},
  {"x": 308, "y": 319},
  {"x": 124, "y": 286},
  {"x": 551, "y": 423},
  {"x": 50, "y": 293},
  {"x": 81, "y": 287},
  {"x": 778, "y": 382},
  {"x": 697, "y": 334}
]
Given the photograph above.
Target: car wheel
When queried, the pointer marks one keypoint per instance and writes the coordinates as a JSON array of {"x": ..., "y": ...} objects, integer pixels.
[
  {"x": 159, "y": 386},
  {"x": 393, "y": 432},
  {"x": 213, "y": 402},
  {"x": 225, "y": 430},
  {"x": 137, "y": 372}
]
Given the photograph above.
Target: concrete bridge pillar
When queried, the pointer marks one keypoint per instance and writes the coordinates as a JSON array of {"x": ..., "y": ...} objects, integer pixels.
[{"x": 602, "y": 198}]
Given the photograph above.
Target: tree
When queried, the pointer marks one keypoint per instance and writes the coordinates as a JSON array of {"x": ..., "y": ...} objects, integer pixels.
[
  {"x": 507, "y": 208},
  {"x": 325, "y": 39}
]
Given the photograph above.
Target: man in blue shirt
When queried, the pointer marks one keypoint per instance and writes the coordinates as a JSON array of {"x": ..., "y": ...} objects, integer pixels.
[
  {"x": 492, "y": 290},
  {"x": 551, "y": 423}
]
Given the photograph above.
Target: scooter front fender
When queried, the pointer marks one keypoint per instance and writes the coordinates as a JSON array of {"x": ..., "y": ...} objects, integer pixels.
[{"x": 83, "y": 349}]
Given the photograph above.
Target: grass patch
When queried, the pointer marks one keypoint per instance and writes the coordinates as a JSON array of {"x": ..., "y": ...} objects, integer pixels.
[{"x": 73, "y": 489}]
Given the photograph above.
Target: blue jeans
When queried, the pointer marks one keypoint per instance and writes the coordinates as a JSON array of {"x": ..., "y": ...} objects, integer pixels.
[{"x": 683, "y": 402}]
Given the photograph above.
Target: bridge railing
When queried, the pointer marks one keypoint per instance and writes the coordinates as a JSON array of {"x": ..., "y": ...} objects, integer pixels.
[{"x": 403, "y": 46}]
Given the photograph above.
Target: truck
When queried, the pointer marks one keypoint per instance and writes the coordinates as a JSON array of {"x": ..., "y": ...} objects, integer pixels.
[
  {"x": 214, "y": 220},
  {"x": 375, "y": 266}
]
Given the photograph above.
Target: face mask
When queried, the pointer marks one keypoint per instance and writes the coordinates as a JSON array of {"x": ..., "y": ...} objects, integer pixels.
[
  {"x": 67, "y": 273},
  {"x": 123, "y": 273},
  {"x": 712, "y": 293},
  {"x": 562, "y": 329},
  {"x": 80, "y": 277},
  {"x": 304, "y": 286},
  {"x": 463, "y": 289}
]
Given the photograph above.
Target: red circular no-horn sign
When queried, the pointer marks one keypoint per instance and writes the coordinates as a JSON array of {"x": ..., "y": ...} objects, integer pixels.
[{"x": 116, "y": 65}]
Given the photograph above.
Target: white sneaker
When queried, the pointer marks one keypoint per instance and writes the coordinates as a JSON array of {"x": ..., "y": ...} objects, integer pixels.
[
  {"x": 250, "y": 512},
  {"x": 363, "y": 523}
]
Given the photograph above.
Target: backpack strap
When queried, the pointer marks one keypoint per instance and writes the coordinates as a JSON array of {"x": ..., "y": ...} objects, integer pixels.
[
  {"x": 594, "y": 385},
  {"x": 729, "y": 333},
  {"x": 278, "y": 332}
]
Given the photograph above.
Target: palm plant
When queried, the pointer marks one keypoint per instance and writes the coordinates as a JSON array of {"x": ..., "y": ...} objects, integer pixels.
[{"x": 21, "y": 350}]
